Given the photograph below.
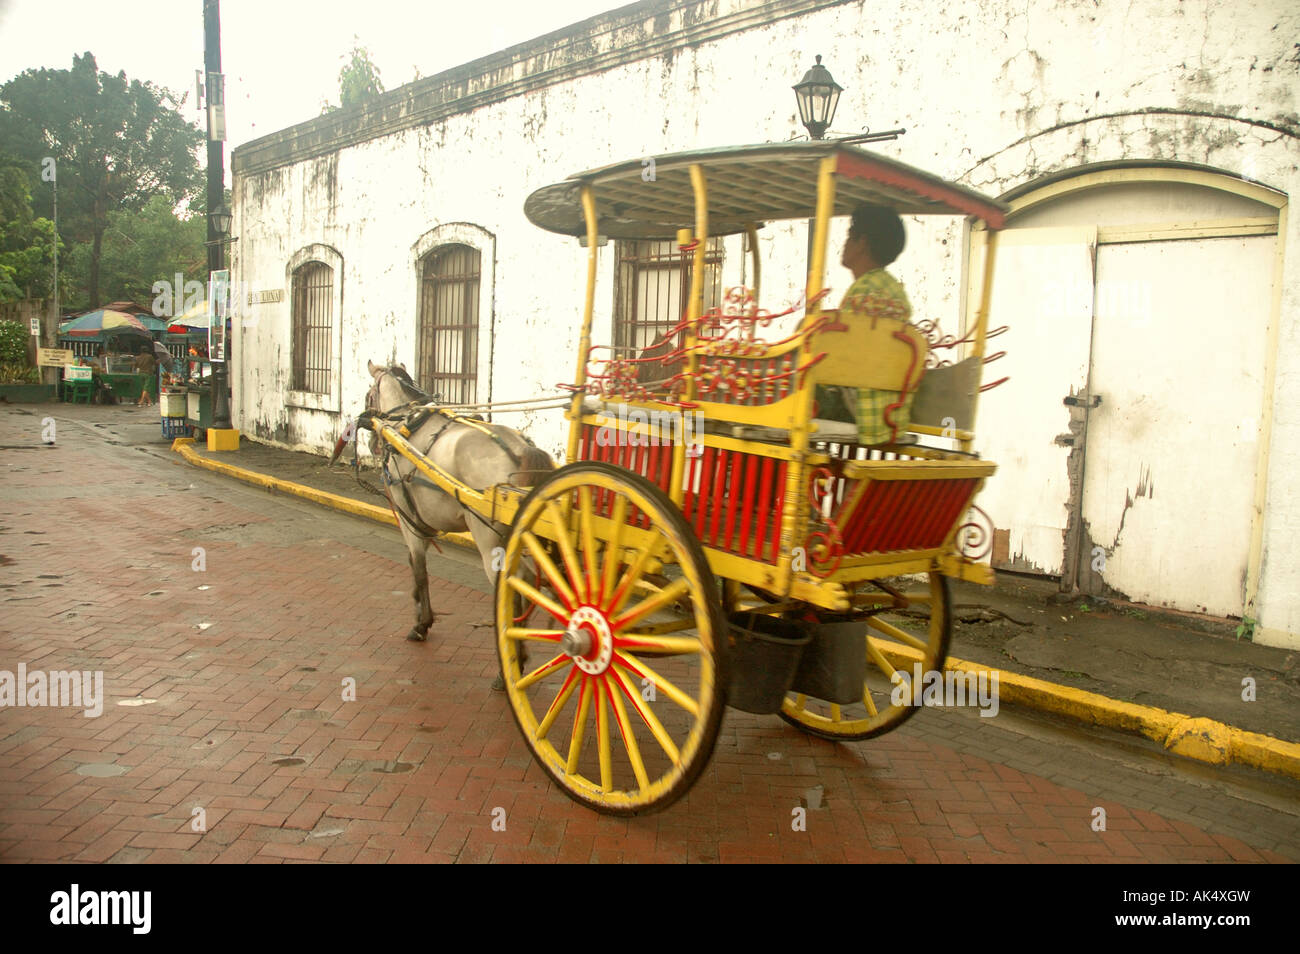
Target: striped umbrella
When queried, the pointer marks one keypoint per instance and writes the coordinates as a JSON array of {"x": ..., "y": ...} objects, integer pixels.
[{"x": 95, "y": 323}]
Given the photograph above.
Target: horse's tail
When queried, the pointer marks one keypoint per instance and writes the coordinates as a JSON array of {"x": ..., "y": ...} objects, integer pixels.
[{"x": 534, "y": 464}]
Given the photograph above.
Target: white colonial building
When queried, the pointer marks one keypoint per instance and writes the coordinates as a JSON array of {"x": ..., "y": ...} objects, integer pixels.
[{"x": 1149, "y": 273}]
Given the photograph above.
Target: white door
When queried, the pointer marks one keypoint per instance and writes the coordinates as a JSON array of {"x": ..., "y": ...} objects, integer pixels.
[
  {"x": 1169, "y": 474},
  {"x": 1043, "y": 289}
]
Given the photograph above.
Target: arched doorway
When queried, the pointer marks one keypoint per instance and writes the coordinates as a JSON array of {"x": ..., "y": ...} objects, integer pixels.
[{"x": 1132, "y": 431}]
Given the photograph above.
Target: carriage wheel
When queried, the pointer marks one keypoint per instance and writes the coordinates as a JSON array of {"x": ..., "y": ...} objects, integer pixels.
[
  {"x": 924, "y": 625},
  {"x": 621, "y": 699}
]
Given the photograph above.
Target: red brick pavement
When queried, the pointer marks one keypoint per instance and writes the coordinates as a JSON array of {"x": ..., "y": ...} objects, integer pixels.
[{"x": 413, "y": 769}]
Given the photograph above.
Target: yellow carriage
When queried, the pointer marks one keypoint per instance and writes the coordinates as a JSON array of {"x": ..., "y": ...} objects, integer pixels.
[{"x": 709, "y": 537}]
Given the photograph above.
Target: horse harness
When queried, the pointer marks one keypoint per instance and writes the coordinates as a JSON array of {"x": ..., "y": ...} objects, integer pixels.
[{"x": 414, "y": 416}]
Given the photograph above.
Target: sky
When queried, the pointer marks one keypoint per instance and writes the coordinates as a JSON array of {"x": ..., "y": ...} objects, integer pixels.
[{"x": 281, "y": 57}]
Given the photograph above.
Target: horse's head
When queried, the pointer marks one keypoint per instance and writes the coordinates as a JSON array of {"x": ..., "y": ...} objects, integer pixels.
[{"x": 391, "y": 388}]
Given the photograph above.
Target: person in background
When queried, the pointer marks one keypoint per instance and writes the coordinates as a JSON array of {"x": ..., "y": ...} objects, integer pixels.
[
  {"x": 103, "y": 393},
  {"x": 146, "y": 365}
]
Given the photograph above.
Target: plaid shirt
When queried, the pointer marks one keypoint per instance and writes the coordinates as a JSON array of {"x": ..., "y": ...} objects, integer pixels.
[{"x": 874, "y": 294}]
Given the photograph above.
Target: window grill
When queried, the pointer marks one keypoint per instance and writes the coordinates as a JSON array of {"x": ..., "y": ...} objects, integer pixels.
[
  {"x": 313, "y": 327},
  {"x": 447, "y": 334},
  {"x": 653, "y": 292}
]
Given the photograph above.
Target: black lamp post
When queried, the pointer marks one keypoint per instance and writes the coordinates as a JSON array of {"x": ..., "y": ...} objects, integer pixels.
[{"x": 817, "y": 94}]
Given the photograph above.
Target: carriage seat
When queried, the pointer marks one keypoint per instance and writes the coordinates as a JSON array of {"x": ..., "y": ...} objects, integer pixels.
[{"x": 869, "y": 375}]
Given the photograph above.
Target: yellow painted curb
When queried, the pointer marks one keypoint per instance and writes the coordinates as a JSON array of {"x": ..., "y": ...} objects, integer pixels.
[
  {"x": 1196, "y": 738},
  {"x": 182, "y": 445}
]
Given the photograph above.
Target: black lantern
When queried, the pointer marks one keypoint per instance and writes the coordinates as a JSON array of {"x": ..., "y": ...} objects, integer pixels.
[
  {"x": 817, "y": 95},
  {"x": 220, "y": 218}
]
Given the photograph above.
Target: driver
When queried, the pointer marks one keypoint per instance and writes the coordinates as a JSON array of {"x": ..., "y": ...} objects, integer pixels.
[{"x": 876, "y": 238}]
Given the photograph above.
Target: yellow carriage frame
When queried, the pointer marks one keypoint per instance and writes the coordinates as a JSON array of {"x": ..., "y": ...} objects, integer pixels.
[{"x": 622, "y": 550}]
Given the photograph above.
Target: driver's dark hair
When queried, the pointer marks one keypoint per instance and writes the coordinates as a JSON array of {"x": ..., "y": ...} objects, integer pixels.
[{"x": 883, "y": 230}]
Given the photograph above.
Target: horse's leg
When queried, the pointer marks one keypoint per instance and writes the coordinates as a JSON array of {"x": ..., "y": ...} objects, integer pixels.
[
  {"x": 417, "y": 548},
  {"x": 490, "y": 541}
]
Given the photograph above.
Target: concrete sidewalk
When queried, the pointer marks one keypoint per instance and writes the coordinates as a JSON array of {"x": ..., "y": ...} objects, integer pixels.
[{"x": 1181, "y": 680}]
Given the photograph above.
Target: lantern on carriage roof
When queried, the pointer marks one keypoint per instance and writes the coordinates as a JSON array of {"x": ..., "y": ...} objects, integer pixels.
[{"x": 818, "y": 95}]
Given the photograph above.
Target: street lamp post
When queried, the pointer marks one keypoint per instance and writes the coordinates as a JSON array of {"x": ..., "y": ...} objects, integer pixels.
[
  {"x": 218, "y": 215},
  {"x": 817, "y": 94}
]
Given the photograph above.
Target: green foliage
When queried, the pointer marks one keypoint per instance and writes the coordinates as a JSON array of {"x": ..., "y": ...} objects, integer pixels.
[
  {"x": 358, "y": 80},
  {"x": 143, "y": 247},
  {"x": 1246, "y": 628},
  {"x": 13, "y": 343},
  {"x": 19, "y": 373},
  {"x": 116, "y": 143},
  {"x": 27, "y": 259}
]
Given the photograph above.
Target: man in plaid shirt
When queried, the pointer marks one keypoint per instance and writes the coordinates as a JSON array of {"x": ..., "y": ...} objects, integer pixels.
[{"x": 876, "y": 239}]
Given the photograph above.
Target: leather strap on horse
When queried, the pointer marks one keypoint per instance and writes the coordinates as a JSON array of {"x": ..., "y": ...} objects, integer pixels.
[{"x": 427, "y": 533}]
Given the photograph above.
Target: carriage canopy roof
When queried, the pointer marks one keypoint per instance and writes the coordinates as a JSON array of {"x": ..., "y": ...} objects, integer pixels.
[{"x": 747, "y": 184}]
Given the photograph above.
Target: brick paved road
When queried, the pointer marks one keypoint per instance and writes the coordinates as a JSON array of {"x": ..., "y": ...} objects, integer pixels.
[{"x": 224, "y": 694}]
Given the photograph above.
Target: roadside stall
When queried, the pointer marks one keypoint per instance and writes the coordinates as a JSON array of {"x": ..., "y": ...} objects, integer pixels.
[{"x": 120, "y": 335}]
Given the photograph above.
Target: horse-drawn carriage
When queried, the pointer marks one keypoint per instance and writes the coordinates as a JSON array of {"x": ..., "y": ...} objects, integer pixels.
[{"x": 709, "y": 537}]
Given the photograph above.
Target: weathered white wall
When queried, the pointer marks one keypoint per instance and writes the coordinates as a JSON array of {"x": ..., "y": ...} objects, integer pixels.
[{"x": 994, "y": 97}]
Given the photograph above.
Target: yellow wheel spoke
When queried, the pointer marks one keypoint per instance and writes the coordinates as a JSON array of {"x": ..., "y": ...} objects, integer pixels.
[
  {"x": 630, "y": 579},
  {"x": 667, "y": 626},
  {"x": 541, "y": 672},
  {"x": 801, "y": 702},
  {"x": 588, "y": 542},
  {"x": 663, "y": 644},
  {"x": 629, "y": 738},
  {"x": 579, "y": 726},
  {"x": 869, "y": 702},
  {"x": 877, "y": 657},
  {"x": 560, "y": 701},
  {"x": 602, "y": 737},
  {"x": 538, "y": 597},
  {"x": 647, "y": 606},
  {"x": 561, "y": 525},
  {"x": 836, "y": 716},
  {"x": 890, "y": 630},
  {"x": 549, "y": 568},
  {"x": 639, "y": 667},
  {"x": 647, "y": 715},
  {"x": 613, "y": 549},
  {"x": 539, "y": 635}
]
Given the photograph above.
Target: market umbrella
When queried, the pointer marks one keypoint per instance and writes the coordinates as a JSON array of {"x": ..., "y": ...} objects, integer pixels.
[
  {"x": 96, "y": 323},
  {"x": 196, "y": 317}
]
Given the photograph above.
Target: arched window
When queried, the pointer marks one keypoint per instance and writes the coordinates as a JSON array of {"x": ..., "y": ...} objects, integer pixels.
[
  {"x": 313, "y": 328},
  {"x": 448, "y": 323}
]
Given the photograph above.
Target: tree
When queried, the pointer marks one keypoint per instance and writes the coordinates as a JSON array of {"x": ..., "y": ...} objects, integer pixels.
[
  {"x": 116, "y": 143},
  {"x": 141, "y": 248},
  {"x": 26, "y": 241},
  {"x": 358, "y": 80}
]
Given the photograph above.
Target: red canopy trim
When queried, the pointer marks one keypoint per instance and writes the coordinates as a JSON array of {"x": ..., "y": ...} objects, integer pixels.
[{"x": 860, "y": 168}]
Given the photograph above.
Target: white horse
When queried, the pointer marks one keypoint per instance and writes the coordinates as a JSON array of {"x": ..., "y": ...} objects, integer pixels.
[{"x": 478, "y": 455}]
